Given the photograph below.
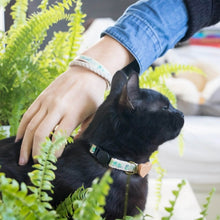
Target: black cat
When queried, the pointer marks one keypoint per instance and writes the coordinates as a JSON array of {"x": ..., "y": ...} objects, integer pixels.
[{"x": 129, "y": 126}]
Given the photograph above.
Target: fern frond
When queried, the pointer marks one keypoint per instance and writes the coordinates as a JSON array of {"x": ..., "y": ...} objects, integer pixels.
[
  {"x": 4, "y": 3},
  {"x": 181, "y": 144},
  {"x": 17, "y": 204},
  {"x": 93, "y": 206},
  {"x": 54, "y": 57},
  {"x": 43, "y": 174},
  {"x": 30, "y": 80},
  {"x": 57, "y": 56},
  {"x": 67, "y": 3},
  {"x": 29, "y": 35},
  {"x": 154, "y": 77},
  {"x": 173, "y": 202},
  {"x": 163, "y": 89},
  {"x": 76, "y": 30},
  {"x": 141, "y": 216},
  {"x": 19, "y": 10},
  {"x": 160, "y": 172},
  {"x": 15, "y": 117},
  {"x": 3, "y": 39},
  {"x": 43, "y": 5},
  {"x": 65, "y": 208},
  {"x": 204, "y": 212}
]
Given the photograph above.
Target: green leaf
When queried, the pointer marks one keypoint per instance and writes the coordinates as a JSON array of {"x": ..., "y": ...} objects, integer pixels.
[
  {"x": 169, "y": 209},
  {"x": 93, "y": 206},
  {"x": 173, "y": 202},
  {"x": 204, "y": 212},
  {"x": 175, "y": 192}
]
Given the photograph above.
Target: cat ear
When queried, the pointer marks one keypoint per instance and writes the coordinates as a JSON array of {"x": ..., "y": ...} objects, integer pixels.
[
  {"x": 130, "y": 92},
  {"x": 118, "y": 82}
]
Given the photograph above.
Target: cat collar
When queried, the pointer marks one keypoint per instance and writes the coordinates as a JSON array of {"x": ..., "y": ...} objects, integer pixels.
[{"x": 129, "y": 168}]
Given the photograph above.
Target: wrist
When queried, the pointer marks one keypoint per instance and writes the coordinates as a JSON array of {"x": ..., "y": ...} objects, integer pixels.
[
  {"x": 110, "y": 53},
  {"x": 94, "y": 66},
  {"x": 86, "y": 77}
]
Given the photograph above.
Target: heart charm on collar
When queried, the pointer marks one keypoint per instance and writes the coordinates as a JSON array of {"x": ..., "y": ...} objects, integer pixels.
[{"x": 144, "y": 169}]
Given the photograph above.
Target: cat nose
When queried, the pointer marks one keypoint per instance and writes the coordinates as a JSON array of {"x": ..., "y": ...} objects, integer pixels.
[{"x": 181, "y": 114}]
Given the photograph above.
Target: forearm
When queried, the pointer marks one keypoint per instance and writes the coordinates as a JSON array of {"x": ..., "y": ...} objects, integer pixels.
[{"x": 149, "y": 28}]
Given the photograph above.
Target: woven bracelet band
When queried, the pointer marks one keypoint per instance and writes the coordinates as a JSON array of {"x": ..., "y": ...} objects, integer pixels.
[{"x": 94, "y": 66}]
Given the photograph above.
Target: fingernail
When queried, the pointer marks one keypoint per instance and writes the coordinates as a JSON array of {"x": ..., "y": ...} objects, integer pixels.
[
  {"x": 21, "y": 161},
  {"x": 16, "y": 140}
]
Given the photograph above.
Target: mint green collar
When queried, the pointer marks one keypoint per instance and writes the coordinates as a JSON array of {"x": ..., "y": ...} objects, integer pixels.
[{"x": 128, "y": 167}]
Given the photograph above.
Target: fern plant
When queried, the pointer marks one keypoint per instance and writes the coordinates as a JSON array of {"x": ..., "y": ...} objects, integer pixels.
[
  {"x": 160, "y": 175},
  {"x": 93, "y": 206},
  {"x": 66, "y": 208},
  {"x": 43, "y": 174},
  {"x": 25, "y": 68},
  {"x": 204, "y": 212},
  {"x": 17, "y": 203},
  {"x": 176, "y": 193}
]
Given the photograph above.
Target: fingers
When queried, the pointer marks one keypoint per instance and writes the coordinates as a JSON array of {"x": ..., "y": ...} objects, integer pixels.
[
  {"x": 43, "y": 130},
  {"x": 65, "y": 127},
  {"x": 69, "y": 123},
  {"x": 33, "y": 109},
  {"x": 28, "y": 137}
]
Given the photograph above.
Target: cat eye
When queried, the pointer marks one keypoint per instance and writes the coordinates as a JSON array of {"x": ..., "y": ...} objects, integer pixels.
[{"x": 165, "y": 107}]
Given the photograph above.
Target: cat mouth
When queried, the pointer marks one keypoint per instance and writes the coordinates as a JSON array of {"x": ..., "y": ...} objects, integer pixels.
[
  {"x": 179, "y": 120},
  {"x": 178, "y": 126},
  {"x": 176, "y": 134}
]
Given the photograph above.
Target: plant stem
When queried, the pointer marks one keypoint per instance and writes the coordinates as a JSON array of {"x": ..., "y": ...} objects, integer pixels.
[{"x": 126, "y": 196}]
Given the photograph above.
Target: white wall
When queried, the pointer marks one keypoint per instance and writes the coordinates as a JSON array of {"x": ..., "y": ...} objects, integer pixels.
[{"x": 2, "y": 20}]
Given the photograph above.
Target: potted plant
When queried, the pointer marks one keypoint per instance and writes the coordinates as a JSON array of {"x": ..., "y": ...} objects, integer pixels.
[{"x": 25, "y": 68}]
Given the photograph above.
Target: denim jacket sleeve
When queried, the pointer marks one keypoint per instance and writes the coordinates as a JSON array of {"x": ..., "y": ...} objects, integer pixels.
[{"x": 149, "y": 28}]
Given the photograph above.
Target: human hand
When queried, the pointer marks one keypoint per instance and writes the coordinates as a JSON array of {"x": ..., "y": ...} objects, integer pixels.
[{"x": 68, "y": 101}]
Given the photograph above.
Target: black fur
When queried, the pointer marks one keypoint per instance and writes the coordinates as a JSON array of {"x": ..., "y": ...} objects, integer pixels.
[{"x": 129, "y": 125}]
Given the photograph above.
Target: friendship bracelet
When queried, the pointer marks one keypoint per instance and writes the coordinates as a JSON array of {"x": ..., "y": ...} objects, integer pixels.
[{"x": 94, "y": 66}]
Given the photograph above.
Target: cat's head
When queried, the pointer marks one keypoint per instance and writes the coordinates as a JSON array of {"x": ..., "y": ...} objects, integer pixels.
[{"x": 132, "y": 117}]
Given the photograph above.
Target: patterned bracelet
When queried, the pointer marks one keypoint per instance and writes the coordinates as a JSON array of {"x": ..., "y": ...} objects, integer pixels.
[{"x": 94, "y": 66}]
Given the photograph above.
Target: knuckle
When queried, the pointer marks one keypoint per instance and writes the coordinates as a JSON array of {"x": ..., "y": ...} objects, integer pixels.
[
  {"x": 25, "y": 117},
  {"x": 38, "y": 135},
  {"x": 56, "y": 102},
  {"x": 30, "y": 128}
]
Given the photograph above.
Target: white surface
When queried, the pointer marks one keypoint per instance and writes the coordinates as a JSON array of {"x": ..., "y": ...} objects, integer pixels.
[
  {"x": 2, "y": 19},
  {"x": 186, "y": 208},
  {"x": 6, "y": 129},
  {"x": 92, "y": 34},
  {"x": 200, "y": 162}
]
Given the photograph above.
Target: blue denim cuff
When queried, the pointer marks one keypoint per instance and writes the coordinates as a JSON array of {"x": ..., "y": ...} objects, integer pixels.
[{"x": 149, "y": 28}]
